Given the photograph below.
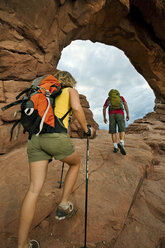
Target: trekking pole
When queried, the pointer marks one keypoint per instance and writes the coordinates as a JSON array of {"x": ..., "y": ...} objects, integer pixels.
[
  {"x": 86, "y": 195},
  {"x": 61, "y": 182}
]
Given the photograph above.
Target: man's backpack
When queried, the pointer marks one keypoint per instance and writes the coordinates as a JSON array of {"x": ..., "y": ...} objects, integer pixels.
[
  {"x": 37, "y": 107},
  {"x": 115, "y": 101}
]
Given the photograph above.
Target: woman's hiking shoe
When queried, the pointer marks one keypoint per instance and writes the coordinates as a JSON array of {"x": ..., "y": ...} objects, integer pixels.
[
  {"x": 34, "y": 244},
  {"x": 63, "y": 212},
  {"x": 121, "y": 147},
  {"x": 115, "y": 149}
]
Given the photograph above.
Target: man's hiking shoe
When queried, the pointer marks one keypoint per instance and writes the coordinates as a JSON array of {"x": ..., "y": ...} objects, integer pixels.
[
  {"x": 34, "y": 244},
  {"x": 63, "y": 213},
  {"x": 121, "y": 147},
  {"x": 115, "y": 150}
]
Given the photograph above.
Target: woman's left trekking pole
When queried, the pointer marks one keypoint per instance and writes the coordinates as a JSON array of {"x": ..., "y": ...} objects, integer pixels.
[{"x": 61, "y": 182}]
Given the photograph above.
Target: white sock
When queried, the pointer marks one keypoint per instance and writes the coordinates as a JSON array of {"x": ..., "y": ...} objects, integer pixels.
[
  {"x": 122, "y": 141},
  {"x": 64, "y": 206},
  {"x": 115, "y": 145}
]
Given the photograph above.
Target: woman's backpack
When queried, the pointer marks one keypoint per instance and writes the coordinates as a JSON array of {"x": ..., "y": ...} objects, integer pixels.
[{"x": 37, "y": 107}]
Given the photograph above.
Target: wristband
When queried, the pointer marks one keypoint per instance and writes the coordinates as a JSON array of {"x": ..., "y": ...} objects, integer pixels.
[{"x": 88, "y": 133}]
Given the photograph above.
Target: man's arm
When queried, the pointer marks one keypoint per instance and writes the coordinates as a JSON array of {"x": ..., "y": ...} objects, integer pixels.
[
  {"x": 78, "y": 110},
  {"x": 104, "y": 114},
  {"x": 127, "y": 111}
]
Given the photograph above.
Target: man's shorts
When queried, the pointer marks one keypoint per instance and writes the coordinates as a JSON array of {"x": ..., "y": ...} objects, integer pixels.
[
  {"x": 48, "y": 145},
  {"x": 116, "y": 120}
]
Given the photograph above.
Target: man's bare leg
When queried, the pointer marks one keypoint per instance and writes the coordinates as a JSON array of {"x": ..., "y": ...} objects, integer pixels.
[
  {"x": 122, "y": 136},
  {"x": 121, "y": 144},
  {"x": 114, "y": 140}
]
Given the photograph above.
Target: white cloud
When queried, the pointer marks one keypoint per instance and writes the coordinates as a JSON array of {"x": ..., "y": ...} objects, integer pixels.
[{"x": 97, "y": 68}]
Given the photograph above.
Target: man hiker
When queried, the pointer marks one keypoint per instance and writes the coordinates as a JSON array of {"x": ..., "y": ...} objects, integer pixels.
[
  {"x": 116, "y": 105},
  {"x": 41, "y": 149}
]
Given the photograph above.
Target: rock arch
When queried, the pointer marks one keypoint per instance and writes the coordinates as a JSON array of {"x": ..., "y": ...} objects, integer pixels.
[{"x": 34, "y": 34}]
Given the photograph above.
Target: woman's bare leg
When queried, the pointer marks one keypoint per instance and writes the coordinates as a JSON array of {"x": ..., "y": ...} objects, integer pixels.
[
  {"x": 38, "y": 172},
  {"x": 70, "y": 179}
]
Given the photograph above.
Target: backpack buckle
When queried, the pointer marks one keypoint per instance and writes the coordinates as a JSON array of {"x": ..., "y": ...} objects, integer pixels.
[
  {"x": 24, "y": 98},
  {"x": 47, "y": 93}
]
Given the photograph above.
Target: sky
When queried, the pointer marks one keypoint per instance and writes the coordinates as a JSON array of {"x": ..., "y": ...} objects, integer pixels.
[{"x": 97, "y": 68}]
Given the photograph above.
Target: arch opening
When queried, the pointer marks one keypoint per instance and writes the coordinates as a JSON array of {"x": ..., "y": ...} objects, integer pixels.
[{"x": 98, "y": 68}]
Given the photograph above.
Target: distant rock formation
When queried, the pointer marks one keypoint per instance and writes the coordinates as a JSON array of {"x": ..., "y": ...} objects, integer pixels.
[
  {"x": 75, "y": 129},
  {"x": 152, "y": 129}
]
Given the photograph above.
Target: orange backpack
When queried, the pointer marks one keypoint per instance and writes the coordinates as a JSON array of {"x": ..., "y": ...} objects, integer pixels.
[{"x": 37, "y": 107}]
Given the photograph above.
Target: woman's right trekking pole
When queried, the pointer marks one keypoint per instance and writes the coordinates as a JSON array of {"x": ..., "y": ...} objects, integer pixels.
[{"x": 86, "y": 195}]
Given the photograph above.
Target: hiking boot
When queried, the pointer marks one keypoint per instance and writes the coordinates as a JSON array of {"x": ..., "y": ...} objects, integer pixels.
[
  {"x": 63, "y": 213},
  {"x": 34, "y": 244},
  {"x": 121, "y": 147},
  {"x": 115, "y": 150}
]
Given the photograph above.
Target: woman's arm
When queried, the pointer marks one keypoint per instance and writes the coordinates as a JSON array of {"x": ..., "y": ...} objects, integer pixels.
[{"x": 78, "y": 110}]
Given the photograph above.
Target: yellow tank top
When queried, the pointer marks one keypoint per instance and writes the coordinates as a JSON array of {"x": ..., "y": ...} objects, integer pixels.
[{"x": 62, "y": 105}]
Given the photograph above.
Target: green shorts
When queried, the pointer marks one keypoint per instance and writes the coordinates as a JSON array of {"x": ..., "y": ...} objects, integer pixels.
[
  {"x": 48, "y": 145},
  {"x": 116, "y": 120}
]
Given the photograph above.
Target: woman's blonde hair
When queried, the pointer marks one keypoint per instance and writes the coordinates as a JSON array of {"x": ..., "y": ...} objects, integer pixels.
[{"x": 66, "y": 78}]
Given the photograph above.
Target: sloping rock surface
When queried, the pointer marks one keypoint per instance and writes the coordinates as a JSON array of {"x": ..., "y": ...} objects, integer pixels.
[{"x": 126, "y": 197}]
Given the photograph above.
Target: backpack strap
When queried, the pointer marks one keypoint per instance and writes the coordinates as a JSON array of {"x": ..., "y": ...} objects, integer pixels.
[
  {"x": 17, "y": 131},
  {"x": 65, "y": 86},
  {"x": 43, "y": 118},
  {"x": 22, "y": 92},
  {"x": 12, "y": 129},
  {"x": 65, "y": 114},
  {"x": 122, "y": 103},
  {"x": 12, "y": 104}
]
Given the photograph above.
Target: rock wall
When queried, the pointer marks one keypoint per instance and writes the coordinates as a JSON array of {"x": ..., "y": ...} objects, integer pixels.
[{"x": 32, "y": 40}]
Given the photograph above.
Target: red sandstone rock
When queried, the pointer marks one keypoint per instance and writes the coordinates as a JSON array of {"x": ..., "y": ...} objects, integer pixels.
[
  {"x": 31, "y": 45},
  {"x": 84, "y": 102},
  {"x": 75, "y": 130},
  {"x": 2, "y": 95},
  {"x": 11, "y": 114},
  {"x": 113, "y": 179}
]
